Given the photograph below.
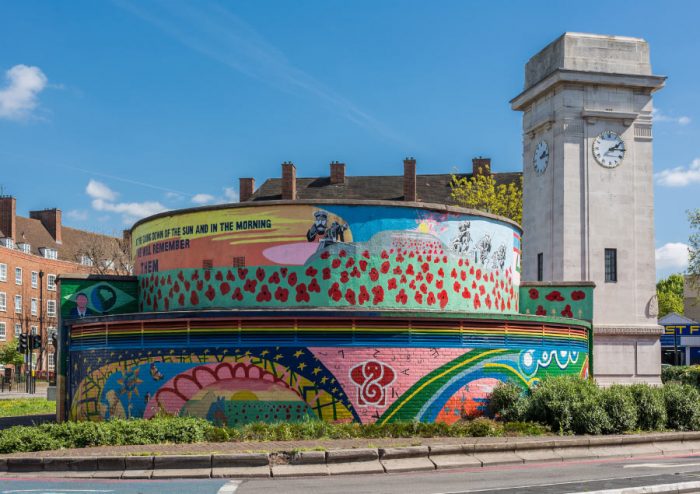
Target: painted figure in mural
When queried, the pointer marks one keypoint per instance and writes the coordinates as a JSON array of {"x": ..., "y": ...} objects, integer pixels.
[
  {"x": 318, "y": 229},
  {"x": 484, "y": 248},
  {"x": 81, "y": 308},
  {"x": 326, "y": 235},
  {"x": 499, "y": 257},
  {"x": 461, "y": 242}
]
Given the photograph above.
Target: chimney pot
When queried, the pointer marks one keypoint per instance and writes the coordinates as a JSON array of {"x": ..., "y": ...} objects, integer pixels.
[
  {"x": 337, "y": 172},
  {"x": 409, "y": 179},
  {"x": 51, "y": 219},
  {"x": 481, "y": 166},
  {"x": 289, "y": 181},
  {"x": 246, "y": 188},
  {"x": 8, "y": 216}
]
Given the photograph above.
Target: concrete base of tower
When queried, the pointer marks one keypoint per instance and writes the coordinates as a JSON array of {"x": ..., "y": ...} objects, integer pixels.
[{"x": 627, "y": 354}]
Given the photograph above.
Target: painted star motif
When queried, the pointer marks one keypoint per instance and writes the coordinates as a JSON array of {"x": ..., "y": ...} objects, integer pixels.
[
  {"x": 324, "y": 380},
  {"x": 278, "y": 356},
  {"x": 301, "y": 366},
  {"x": 316, "y": 370},
  {"x": 299, "y": 353}
]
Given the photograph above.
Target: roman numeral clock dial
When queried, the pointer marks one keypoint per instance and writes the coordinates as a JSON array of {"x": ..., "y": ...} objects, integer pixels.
[{"x": 608, "y": 149}]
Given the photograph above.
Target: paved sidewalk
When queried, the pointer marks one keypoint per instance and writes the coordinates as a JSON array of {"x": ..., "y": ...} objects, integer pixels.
[{"x": 355, "y": 456}]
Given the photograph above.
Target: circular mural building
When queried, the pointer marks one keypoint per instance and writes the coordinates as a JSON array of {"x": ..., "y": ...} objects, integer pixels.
[{"x": 366, "y": 311}]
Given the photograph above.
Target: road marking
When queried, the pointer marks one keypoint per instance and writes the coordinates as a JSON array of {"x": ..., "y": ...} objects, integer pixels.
[
  {"x": 661, "y": 465},
  {"x": 229, "y": 488}
]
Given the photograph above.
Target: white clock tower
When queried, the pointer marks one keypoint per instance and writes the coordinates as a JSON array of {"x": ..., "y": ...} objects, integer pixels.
[{"x": 588, "y": 206}]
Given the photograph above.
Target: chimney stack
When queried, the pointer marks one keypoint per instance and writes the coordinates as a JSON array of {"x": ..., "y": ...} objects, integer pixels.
[
  {"x": 246, "y": 187},
  {"x": 337, "y": 172},
  {"x": 409, "y": 179},
  {"x": 8, "y": 215},
  {"x": 289, "y": 181},
  {"x": 51, "y": 219},
  {"x": 481, "y": 166}
]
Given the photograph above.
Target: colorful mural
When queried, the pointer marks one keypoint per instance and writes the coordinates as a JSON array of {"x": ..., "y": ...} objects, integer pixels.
[
  {"x": 335, "y": 256},
  {"x": 557, "y": 300},
  {"x": 97, "y": 296},
  {"x": 339, "y": 382}
]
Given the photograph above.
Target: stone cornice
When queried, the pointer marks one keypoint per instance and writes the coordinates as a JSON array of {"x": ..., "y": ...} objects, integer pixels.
[
  {"x": 625, "y": 330},
  {"x": 560, "y": 76}
]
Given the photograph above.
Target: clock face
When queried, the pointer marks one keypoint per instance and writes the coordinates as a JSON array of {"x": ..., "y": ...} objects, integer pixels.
[
  {"x": 540, "y": 158},
  {"x": 609, "y": 149}
]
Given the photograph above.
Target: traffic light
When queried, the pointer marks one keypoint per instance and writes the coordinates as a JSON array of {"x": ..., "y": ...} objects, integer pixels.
[
  {"x": 36, "y": 342},
  {"x": 22, "y": 347}
]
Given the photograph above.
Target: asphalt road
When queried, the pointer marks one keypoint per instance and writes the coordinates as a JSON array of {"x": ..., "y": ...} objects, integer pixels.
[{"x": 543, "y": 478}]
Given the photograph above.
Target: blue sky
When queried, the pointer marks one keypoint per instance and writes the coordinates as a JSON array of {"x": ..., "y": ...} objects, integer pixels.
[{"x": 113, "y": 110}]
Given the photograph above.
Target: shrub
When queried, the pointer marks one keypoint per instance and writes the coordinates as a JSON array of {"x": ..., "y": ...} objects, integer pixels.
[
  {"x": 21, "y": 439},
  {"x": 568, "y": 404},
  {"x": 507, "y": 402},
  {"x": 483, "y": 427},
  {"x": 682, "y": 406},
  {"x": 620, "y": 407},
  {"x": 684, "y": 374},
  {"x": 651, "y": 406}
]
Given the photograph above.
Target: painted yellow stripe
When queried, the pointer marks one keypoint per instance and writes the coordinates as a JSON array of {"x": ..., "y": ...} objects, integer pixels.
[
  {"x": 503, "y": 366},
  {"x": 442, "y": 374}
]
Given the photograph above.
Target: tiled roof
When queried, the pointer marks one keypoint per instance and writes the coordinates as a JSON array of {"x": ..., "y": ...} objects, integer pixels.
[
  {"x": 32, "y": 231},
  {"x": 429, "y": 188}
]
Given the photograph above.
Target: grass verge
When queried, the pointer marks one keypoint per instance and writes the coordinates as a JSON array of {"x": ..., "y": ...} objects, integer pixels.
[{"x": 26, "y": 406}]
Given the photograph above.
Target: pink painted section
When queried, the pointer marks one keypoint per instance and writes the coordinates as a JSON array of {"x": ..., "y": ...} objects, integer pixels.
[
  {"x": 370, "y": 398},
  {"x": 294, "y": 254}
]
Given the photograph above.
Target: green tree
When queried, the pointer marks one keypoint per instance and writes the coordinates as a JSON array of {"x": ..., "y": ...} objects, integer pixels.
[
  {"x": 670, "y": 293},
  {"x": 482, "y": 193},
  {"x": 10, "y": 355},
  {"x": 694, "y": 247}
]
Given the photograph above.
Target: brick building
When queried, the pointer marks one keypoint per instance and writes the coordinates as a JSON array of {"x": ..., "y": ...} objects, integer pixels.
[
  {"x": 34, "y": 251},
  {"x": 431, "y": 188}
]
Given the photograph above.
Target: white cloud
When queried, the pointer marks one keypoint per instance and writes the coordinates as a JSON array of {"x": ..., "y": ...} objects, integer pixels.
[
  {"x": 231, "y": 194},
  {"x": 98, "y": 190},
  {"x": 680, "y": 176},
  {"x": 103, "y": 199},
  {"x": 20, "y": 95},
  {"x": 77, "y": 214},
  {"x": 659, "y": 116},
  {"x": 202, "y": 198},
  {"x": 673, "y": 255},
  {"x": 134, "y": 209}
]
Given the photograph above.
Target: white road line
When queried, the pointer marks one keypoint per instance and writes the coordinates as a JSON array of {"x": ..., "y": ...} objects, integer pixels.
[
  {"x": 230, "y": 487},
  {"x": 661, "y": 465}
]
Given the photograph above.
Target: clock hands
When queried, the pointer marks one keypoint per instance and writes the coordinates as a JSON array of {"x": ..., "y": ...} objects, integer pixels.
[{"x": 544, "y": 155}]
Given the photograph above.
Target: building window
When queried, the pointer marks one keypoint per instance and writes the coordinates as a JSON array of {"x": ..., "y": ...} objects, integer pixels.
[
  {"x": 3, "y": 271},
  {"x": 35, "y": 308},
  {"x": 540, "y": 266},
  {"x": 3, "y": 302},
  {"x": 3, "y": 331},
  {"x": 49, "y": 253},
  {"x": 611, "y": 265},
  {"x": 18, "y": 329},
  {"x": 51, "y": 332},
  {"x": 18, "y": 304},
  {"x": 24, "y": 247},
  {"x": 34, "y": 330},
  {"x": 51, "y": 361},
  {"x": 51, "y": 282},
  {"x": 35, "y": 279},
  {"x": 18, "y": 276},
  {"x": 85, "y": 260},
  {"x": 51, "y": 308}
]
